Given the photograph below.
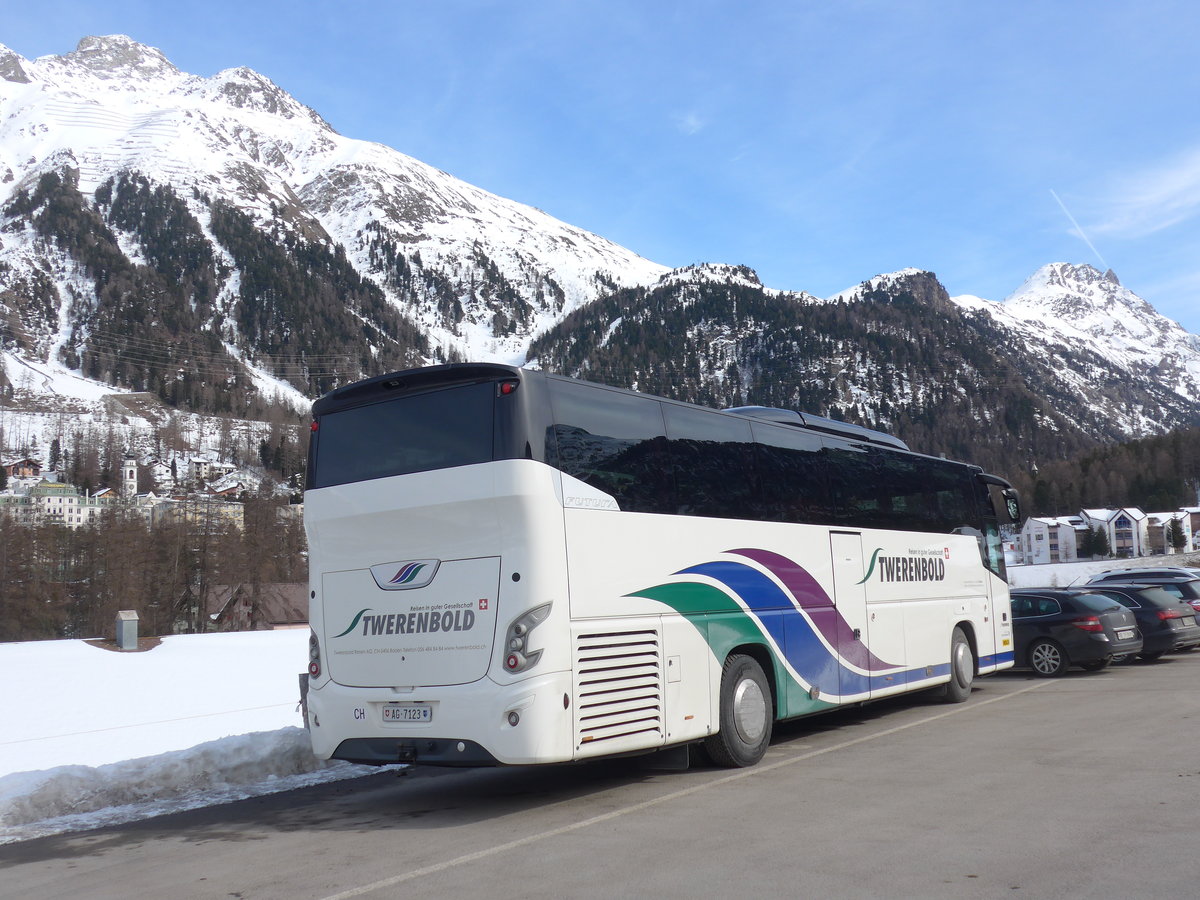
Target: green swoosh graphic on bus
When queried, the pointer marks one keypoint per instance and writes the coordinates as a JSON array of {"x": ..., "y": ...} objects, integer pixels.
[
  {"x": 353, "y": 624},
  {"x": 871, "y": 567},
  {"x": 724, "y": 624}
]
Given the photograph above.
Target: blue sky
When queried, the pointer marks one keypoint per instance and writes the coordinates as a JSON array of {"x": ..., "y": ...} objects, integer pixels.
[{"x": 820, "y": 142}]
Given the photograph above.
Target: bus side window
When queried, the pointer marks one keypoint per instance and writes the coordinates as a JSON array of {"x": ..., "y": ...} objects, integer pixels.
[
  {"x": 793, "y": 485},
  {"x": 614, "y": 442},
  {"x": 712, "y": 463},
  {"x": 882, "y": 488}
]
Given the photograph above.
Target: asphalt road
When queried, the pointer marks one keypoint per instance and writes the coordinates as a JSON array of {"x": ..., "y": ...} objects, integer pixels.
[{"x": 1085, "y": 786}]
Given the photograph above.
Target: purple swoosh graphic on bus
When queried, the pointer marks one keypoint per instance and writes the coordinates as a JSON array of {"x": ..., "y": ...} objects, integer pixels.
[{"x": 809, "y": 594}]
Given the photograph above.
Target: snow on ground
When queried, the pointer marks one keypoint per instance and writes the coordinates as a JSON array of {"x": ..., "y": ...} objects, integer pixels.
[
  {"x": 1072, "y": 573},
  {"x": 96, "y": 737}
]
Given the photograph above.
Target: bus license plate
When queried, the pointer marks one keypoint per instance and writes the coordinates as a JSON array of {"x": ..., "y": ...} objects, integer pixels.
[
  {"x": 1123, "y": 635},
  {"x": 407, "y": 712}
]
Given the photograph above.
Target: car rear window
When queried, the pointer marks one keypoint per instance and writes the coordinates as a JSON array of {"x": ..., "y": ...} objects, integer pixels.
[
  {"x": 1096, "y": 602},
  {"x": 1162, "y": 594}
]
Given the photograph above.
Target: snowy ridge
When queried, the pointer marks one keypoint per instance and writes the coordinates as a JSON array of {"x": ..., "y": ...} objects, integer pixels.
[
  {"x": 886, "y": 282},
  {"x": 1082, "y": 309},
  {"x": 116, "y": 105}
]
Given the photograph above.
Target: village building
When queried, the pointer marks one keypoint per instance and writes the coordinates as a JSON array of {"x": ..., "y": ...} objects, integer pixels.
[
  {"x": 201, "y": 511},
  {"x": 1158, "y": 531},
  {"x": 54, "y": 503},
  {"x": 1126, "y": 529},
  {"x": 1050, "y": 540},
  {"x": 23, "y": 468},
  {"x": 1130, "y": 532},
  {"x": 1193, "y": 524},
  {"x": 203, "y": 470},
  {"x": 256, "y": 607}
]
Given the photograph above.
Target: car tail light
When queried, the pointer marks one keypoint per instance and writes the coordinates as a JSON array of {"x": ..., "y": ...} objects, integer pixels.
[
  {"x": 1089, "y": 623},
  {"x": 1165, "y": 614}
]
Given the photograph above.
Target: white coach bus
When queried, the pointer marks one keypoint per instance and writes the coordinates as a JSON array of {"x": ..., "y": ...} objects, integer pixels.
[{"x": 511, "y": 567}]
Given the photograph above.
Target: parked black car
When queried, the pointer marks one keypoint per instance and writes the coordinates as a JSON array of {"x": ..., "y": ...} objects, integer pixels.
[
  {"x": 1167, "y": 622},
  {"x": 1170, "y": 578},
  {"x": 1054, "y": 628},
  {"x": 1144, "y": 572}
]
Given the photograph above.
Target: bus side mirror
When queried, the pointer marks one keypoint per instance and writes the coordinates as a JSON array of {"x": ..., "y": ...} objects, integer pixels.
[{"x": 1012, "y": 506}]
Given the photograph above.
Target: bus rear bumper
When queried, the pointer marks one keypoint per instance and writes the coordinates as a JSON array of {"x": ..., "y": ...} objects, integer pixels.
[
  {"x": 382, "y": 751},
  {"x": 478, "y": 724}
]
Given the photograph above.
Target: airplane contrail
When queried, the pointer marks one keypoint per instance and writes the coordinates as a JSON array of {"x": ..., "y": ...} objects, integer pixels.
[{"x": 1078, "y": 230}]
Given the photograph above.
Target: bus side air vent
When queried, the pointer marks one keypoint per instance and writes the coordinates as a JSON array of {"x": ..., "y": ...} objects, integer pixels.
[{"x": 618, "y": 686}]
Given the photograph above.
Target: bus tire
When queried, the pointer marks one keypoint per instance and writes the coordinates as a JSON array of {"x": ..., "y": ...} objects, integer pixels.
[
  {"x": 962, "y": 668},
  {"x": 747, "y": 715}
]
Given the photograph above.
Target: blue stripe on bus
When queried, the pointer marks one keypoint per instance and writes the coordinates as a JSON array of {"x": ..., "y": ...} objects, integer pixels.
[{"x": 793, "y": 633}]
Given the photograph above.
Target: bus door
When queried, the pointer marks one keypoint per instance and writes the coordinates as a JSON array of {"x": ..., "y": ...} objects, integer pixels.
[{"x": 873, "y": 661}]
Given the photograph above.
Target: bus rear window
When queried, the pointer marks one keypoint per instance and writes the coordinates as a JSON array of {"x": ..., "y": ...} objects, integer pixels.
[{"x": 435, "y": 430}]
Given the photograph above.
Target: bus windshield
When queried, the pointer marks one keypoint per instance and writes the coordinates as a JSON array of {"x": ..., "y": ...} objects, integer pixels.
[{"x": 438, "y": 429}]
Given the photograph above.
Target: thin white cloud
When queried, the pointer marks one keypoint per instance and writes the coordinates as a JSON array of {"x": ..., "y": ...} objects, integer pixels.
[
  {"x": 689, "y": 123},
  {"x": 1078, "y": 232},
  {"x": 1153, "y": 199}
]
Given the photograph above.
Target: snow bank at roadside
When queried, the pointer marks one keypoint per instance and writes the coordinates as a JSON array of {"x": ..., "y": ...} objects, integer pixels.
[
  {"x": 96, "y": 737},
  {"x": 73, "y": 798}
]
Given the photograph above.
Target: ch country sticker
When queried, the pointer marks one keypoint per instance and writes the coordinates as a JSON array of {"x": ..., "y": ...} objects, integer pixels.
[{"x": 917, "y": 566}]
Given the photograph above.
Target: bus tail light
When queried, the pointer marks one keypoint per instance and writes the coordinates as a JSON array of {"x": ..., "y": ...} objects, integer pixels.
[
  {"x": 314, "y": 655},
  {"x": 517, "y": 655}
]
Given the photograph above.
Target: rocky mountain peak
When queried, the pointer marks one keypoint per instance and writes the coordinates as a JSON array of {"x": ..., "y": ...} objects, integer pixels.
[
  {"x": 244, "y": 88},
  {"x": 920, "y": 284},
  {"x": 10, "y": 66},
  {"x": 117, "y": 56},
  {"x": 1086, "y": 299},
  {"x": 712, "y": 273}
]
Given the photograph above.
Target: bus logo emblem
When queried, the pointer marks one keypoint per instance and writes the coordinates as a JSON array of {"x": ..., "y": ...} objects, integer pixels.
[{"x": 405, "y": 576}]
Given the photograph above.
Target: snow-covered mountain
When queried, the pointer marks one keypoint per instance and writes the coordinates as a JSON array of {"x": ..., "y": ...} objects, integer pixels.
[
  {"x": 1090, "y": 328},
  {"x": 214, "y": 242},
  {"x": 475, "y": 274},
  {"x": 962, "y": 376}
]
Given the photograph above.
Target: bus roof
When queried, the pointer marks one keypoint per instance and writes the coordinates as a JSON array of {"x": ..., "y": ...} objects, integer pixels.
[
  {"x": 378, "y": 388},
  {"x": 375, "y": 389}
]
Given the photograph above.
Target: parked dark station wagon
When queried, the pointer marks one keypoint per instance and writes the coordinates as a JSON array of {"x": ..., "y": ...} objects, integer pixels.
[
  {"x": 1167, "y": 623},
  {"x": 1056, "y": 628}
]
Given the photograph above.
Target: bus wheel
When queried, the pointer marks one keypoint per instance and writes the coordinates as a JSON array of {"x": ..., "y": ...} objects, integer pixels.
[
  {"x": 747, "y": 714},
  {"x": 962, "y": 668}
]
